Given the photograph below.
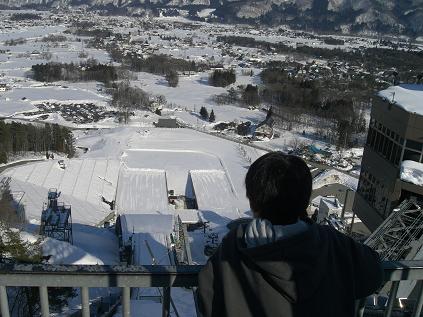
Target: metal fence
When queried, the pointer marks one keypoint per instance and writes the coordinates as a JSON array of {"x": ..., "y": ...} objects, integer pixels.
[{"x": 127, "y": 277}]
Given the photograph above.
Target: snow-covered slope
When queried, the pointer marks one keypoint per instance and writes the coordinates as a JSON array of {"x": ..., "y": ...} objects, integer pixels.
[{"x": 82, "y": 184}]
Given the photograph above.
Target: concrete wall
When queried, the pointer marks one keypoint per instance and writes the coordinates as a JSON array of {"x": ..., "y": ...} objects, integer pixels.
[{"x": 407, "y": 125}]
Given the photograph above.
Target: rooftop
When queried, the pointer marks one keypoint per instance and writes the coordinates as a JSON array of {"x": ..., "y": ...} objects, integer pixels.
[
  {"x": 407, "y": 96},
  {"x": 412, "y": 172}
]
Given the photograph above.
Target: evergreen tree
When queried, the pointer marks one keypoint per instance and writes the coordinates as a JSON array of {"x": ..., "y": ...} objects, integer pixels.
[
  {"x": 17, "y": 138},
  {"x": 251, "y": 96},
  {"x": 8, "y": 213},
  {"x": 69, "y": 143},
  {"x": 204, "y": 113},
  {"x": 3, "y": 156},
  {"x": 232, "y": 95},
  {"x": 222, "y": 78},
  {"x": 212, "y": 117}
]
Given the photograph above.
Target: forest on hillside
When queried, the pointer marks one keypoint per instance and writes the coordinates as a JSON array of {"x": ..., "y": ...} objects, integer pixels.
[{"x": 17, "y": 138}]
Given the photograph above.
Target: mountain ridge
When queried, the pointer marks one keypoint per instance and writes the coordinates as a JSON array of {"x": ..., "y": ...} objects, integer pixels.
[{"x": 347, "y": 16}]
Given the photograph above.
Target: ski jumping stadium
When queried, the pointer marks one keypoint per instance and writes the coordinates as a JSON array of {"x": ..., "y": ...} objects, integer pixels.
[{"x": 153, "y": 209}]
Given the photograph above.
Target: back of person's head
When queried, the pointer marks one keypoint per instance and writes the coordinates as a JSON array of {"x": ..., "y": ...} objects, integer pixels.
[{"x": 279, "y": 188}]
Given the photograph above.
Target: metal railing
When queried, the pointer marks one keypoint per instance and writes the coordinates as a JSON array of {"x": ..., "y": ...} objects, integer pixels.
[
  {"x": 127, "y": 277},
  {"x": 90, "y": 276}
]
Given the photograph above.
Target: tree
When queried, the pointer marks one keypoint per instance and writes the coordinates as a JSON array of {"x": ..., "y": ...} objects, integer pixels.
[
  {"x": 8, "y": 213},
  {"x": 127, "y": 99},
  {"x": 212, "y": 117},
  {"x": 232, "y": 95},
  {"x": 222, "y": 77},
  {"x": 17, "y": 138},
  {"x": 250, "y": 95},
  {"x": 69, "y": 142},
  {"x": 172, "y": 78},
  {"x": 204, "y": 113},
  {"x": 161, "y": 100},
  {"x": 3, "y": 156}
]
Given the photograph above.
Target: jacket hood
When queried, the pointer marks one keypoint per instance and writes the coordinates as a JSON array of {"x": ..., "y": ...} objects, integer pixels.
[{"x": 293, "y": 266}]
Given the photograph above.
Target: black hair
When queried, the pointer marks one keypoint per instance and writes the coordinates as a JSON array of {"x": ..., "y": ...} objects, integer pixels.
[{"x": 279, "y": 188}]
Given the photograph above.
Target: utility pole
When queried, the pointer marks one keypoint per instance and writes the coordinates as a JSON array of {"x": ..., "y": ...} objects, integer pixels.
[{"x": 345, "y": 204}]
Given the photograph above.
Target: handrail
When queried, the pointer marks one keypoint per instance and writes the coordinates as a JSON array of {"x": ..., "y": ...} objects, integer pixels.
[
  {"x": 402, "y": 270},
  {"x": 127, "y": 277},
  {"x": 98, "y": 275}
]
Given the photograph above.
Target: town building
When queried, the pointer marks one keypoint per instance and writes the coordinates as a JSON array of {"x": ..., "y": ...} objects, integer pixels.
[{"x": 395, "y": 138}]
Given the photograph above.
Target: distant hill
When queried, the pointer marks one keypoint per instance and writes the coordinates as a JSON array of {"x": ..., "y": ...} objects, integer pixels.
[{"x": 376, "y": 16}]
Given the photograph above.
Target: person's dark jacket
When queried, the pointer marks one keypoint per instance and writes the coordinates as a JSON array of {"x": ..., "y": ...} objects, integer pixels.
[{"x": 319, "y": 272}]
